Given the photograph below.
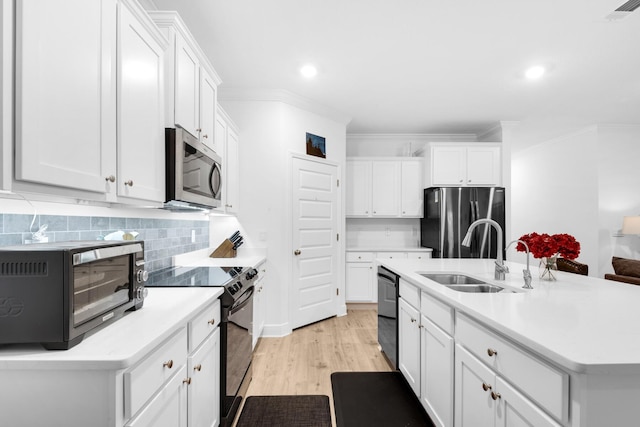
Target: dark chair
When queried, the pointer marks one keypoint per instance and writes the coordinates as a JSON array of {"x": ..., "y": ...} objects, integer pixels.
[
  {"x": 626, "y": 271},
  {"x": 572, "y": 267}
]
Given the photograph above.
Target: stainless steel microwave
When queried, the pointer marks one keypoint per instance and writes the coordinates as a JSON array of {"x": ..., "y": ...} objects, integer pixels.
[
  {"x": 193, "y": 171},
  {"x": 54, "y": 293}
]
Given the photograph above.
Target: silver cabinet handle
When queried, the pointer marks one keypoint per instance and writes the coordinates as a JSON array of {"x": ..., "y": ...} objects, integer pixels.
[
  {"x": 129, "y": 183},
  {"x": 110, "y": 178},
  {"x": 297, "y": 252},
  {"x": 205, "y": 136}
]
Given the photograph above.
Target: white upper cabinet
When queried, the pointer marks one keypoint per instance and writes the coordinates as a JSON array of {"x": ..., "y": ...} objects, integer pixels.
[
  {"x": 227, "y": 146},
  {"x": 475, "y": 164},
  {"x": 89, "y": 100},
  {"x": 358, "y": 188},
  {"x": 140, "y": 106},
  {"x": 191, "y": 81},
  {"x": 385, "y": 187},
  {"x": 65, "y": 128}
]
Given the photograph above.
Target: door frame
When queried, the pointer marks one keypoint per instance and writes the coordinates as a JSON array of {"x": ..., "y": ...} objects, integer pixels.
[{"x": 341, "y": 307}]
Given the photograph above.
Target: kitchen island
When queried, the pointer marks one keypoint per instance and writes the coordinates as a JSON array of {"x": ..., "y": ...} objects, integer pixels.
[{"x": 566, "y": 352}]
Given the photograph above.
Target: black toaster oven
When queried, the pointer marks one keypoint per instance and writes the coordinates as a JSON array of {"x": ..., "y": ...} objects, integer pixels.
[{"x": 54, "y": 293}]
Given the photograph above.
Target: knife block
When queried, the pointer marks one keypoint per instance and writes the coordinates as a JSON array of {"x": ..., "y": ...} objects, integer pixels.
[{"x": 225, "y": 250}]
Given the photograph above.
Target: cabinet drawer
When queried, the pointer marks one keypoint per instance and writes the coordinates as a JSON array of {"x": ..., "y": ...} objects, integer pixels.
[
  {"x": 545, "y": 384},
  {"x": 359, "y": 256},
  {"x": 392, "y": 255},
  {"x": 418, "y": 255},
  {"x": 203, "y": 324},
  {"x": 409, "y": 293},
  {"x": 148, "y": 376},
  {"x": 438, "y": 312}
]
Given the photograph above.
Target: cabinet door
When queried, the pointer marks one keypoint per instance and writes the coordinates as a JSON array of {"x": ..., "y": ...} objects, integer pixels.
[
  {"x": 65, "y": 123},
  {"x": 187, "y": 87},
  {"x": 169, "y": 407},
  {"x": 258, "y": 305},
  {"x": 409, "y": 344},
  {"x": 436, "y": 369},
  {"x": 411, "y": 193},
  {"x": 359, "y": 284},
  {"x": 483, "y": 166},
  {"x": 448, "y": 165},
  {"x": 141, "y": 142},
  {"x": 231, "y": 173},
  {"x": 358, "y": 188},
  {"x": 208, "y": 102},
  {"x": 474, "y": 383},
  {"x": 514, "y": 409},
  {"x": 385, "y": 182},
  {"x": 203, "y": 368}
]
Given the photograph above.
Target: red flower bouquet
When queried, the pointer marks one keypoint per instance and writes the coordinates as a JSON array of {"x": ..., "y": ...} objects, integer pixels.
[{"x": 546, "y": 246}]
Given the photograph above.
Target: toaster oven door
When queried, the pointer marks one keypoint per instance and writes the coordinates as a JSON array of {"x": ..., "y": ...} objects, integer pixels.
[{"x": 101, "y": 286}]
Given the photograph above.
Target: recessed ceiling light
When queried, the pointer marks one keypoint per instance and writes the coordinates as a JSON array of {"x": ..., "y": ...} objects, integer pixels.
[
  {"x": 308, "y": 71},
  {"x": 535, "y": 72}
]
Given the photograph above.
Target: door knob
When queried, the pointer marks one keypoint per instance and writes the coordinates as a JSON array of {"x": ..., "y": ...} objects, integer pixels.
[{"x": 297, "y": 252}]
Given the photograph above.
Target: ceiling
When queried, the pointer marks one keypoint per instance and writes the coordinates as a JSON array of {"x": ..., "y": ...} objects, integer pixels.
[{"x": 431, "y": 66}]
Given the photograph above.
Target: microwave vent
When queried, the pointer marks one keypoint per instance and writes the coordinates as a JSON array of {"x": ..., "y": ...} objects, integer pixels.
[{"x": 23, "y": 268}]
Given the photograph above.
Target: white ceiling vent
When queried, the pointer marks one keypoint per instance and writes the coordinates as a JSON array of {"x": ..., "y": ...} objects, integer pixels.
[{"x": 623, "y": 11}]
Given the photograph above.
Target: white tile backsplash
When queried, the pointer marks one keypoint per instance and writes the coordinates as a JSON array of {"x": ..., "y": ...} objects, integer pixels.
[{"x": 383, "y": 232}]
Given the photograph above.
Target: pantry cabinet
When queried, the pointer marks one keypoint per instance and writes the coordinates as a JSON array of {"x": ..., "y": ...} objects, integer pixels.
[
  {"x": 191, "y": 81},
  {"x": 115, "y": 55},
  {"x": 475, "y": 164},
  {"x": 384, "y": 187}
]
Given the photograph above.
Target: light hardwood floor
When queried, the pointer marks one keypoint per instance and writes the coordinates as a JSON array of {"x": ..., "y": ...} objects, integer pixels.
[{"x": 302, "y": 362}]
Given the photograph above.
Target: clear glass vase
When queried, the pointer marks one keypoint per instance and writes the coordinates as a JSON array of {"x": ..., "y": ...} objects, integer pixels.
[{"x": 548, "y": 268}]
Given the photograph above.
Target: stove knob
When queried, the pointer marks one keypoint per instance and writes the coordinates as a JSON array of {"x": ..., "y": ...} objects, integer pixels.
[
  {"x": 252, "y": 273},
  {"x": 142, "y": 293}
]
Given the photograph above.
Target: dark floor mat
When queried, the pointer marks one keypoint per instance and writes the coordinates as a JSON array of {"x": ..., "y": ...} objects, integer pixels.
[
  {"x": 281, "y": 411},
  {"x": 376, "y": 399}
]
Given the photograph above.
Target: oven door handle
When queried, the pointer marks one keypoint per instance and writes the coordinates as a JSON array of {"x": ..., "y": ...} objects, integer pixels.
[
  {"x": 242, "y": 301},
  {"x": 104, "y": 253}
]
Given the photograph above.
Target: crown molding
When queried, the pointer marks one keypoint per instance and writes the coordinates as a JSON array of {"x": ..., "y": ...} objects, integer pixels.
[
  {"x": 425, "y": 137},
  {"x": 235, "y": 94}
]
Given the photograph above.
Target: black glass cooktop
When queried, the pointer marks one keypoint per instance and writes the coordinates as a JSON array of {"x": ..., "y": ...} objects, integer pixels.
[{"x": 193, "y": 276}]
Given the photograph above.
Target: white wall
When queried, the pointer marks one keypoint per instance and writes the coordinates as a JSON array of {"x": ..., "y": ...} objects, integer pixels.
[
  {"x": 582, "y": 184},
  {"x": 269, "y": 132}
]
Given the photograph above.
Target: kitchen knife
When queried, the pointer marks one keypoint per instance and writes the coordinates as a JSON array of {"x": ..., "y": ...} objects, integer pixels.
[
  {"x": 234, "y": 235},
  {"x": 237, "y": 244}
]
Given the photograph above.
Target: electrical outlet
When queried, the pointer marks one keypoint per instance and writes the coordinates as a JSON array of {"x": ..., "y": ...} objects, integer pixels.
[{"x": 193, "y": 236}]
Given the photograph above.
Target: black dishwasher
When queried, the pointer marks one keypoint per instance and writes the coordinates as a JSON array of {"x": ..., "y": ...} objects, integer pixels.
[{"x": 388, "y": 314}]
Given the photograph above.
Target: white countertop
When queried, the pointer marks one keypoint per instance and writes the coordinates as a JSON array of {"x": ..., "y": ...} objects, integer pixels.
[
  {"x": 247, "y": 257},
  {"x": 584, "y": 324},
  {"x": 122, "y": 343},
  {"x": 387, "y": 249}
]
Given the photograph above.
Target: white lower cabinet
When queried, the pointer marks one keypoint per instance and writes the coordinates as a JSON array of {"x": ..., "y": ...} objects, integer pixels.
[
  {"x": 178, "y": 384},
  {"x": 485, "y": 399},
  {"x": 258, "y": 303},
  {"x": 409, "y": 343},
  {"x": 167, "y": 408},
  {"x": 436, "y": 372},
  {"x": 203, "y": 368}
]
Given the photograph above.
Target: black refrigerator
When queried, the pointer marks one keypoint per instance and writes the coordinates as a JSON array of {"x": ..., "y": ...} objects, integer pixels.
[{"x": 448, "y": 212}]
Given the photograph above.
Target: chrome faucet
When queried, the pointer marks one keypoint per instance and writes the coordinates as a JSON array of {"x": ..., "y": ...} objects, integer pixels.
[
  {"x": 526, "y": 273},
  {"x": 501, "y": 269}
]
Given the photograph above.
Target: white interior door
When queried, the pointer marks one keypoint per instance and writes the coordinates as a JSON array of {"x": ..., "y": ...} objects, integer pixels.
[{"x": 315, "y": 241}]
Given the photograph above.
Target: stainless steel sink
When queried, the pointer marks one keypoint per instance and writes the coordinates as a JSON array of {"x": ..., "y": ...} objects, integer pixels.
[
  {"x": 486, "y": 288},
  {"x": 462, "y": 283},
  {"x": 452, "y": 279}
]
